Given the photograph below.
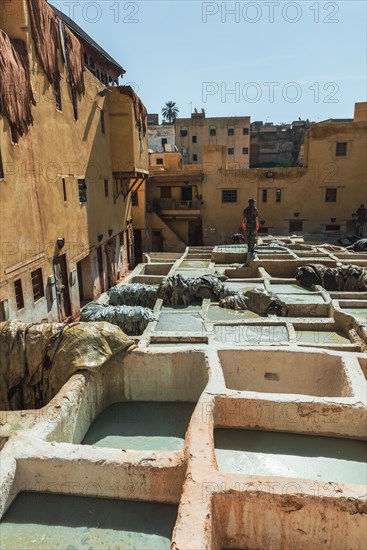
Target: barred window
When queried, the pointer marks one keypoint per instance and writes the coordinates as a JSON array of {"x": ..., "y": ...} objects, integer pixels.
[
  {"x": 330, "y": 195},
  {"x": 212, "y": 132},
  {"x": 231, "y": 131},
  {"x": 278, "y": 195},
  {"x": 37, "y": 284},
  {"x": 19, "y": 294},
  {"x": 82, "y": 188},
  {"x": 295, "y": 225},
  {"x": 134, "y": 198},
  {"x": 1, "y": 167},
  {"x": 230, "y": 151},
  {"x": 265, "y": 195},
  {"x": 341, "y": 149},
  {"x": 166, "y": 193},
  {"x": 229, "y": 195},
  {"x": 58, "y": 100},
  {"x": 245, "y": 131},
  {"x": 103, "y": 123},
  {"x": 245, "y": 150}
]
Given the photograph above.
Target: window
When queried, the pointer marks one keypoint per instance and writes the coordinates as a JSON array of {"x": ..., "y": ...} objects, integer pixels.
[
  {"x": 264, "y": 195},
  {"x": 58, "y": 100},
  {"x": 19, "y": 294},
  {"x": 64, "y": 190},
  {"x": 165, "y": 192},
  {"x": 278, "y": 195},
  {"x": 194, "y": 140},
  {"x": 164, "y": 141},
  {"x": 295, "y": 225},
  {"x": 332, "y": 228},
  {"x": 91, "y": 62},
  {"x": 341, "y": 149},
  {"x": 183, "y": 133},
  {"x": 106, "y": 190},
  {"x": 230, "y": 151},
  {"x": 82, "y": 188},
  {"x": 245, "y": 131},
  {"x": 159, "y": 161},
  {"x": 103, "y": 126},
  {"x": 194, "y": 158},
  {"x": 37, "y": 284},
  {"x": 134, "y": 198},
  {"x": 330, "y": 195},
  {"x": 14, "y": 135},
  {"x": 229, "y": 195},
  {"x": 1, "y": 168},
  {"x": 231, "y": 131},
  {"x": 245, "y": 150},
  {"x": 212, "y": 132}
]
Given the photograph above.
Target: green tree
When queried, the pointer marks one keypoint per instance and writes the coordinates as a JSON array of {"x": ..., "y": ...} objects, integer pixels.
[{"x": 170, "y": 111}]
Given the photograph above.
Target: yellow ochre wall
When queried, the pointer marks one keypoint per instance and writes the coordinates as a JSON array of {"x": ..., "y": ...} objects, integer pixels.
[
  {"x": 33, "y": 211},
  {"x": 302, "y": 189}
]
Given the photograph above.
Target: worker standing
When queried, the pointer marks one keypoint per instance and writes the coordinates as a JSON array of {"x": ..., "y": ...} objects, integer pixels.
[
  {"x": 361, "y": 221},
  {"x": 251, "y": 226}
]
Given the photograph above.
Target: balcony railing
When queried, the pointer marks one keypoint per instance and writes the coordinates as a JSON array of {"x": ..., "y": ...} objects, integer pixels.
[{"x": 174, "y": 205}]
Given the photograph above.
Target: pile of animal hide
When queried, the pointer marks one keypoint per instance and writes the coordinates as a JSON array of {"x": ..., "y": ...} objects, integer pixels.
[
  {"x": 359, "y": 246},
  {"x": 16, "y": 96},
  {"x": 348, "y": 278},
  {"x": 73, "y": 54},
  {"x": 134, "y": 294},
  {"x": 132, "y": 320},
  {"x": 140, "y": 111},
  {"x": 277, "y": 244},
  {"x": 36, "y": 360},
  {"x": 179, "y": 290},
  {"x": 44, "y": 28},
  {"x": 257, "y": 300},
  {"x": 238, "y": 238}
]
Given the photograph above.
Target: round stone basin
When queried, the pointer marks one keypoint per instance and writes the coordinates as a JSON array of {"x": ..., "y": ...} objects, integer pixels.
[
  {"x": 43, "y": 521},
  {"x": 141, "y": 426},
  {"x": 216, "y": 313},
  {"x": 264, "y": 453},
  {"x": 359, "y": 313},
  {"x": 325, "y": 337}
]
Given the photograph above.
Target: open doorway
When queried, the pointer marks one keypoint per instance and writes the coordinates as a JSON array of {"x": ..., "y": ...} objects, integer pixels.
[
  {"x": 62, "y": 287},
  {"x": 186, "y": 193},
  {"x": 195, "y": 233}
]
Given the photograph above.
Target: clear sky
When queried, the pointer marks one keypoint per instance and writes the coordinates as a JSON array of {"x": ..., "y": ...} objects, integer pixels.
[{"x": 280, "y": 59}]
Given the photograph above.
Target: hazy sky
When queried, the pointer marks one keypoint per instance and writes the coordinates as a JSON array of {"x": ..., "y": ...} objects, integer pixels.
[{"x": 270, "y": 60}]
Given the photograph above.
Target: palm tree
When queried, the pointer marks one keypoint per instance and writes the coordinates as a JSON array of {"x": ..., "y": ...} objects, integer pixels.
[{"x": 170, "y": 111}]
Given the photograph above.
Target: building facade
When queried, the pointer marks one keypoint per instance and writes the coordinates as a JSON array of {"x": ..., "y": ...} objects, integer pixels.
[
  {"x": 72, "y": 151},
  {"x": 161, "y": 137},
  {"x": 233, "y": 133},
  {"x": 274, "y": 145},
  {"x": 319, "y": 197}
]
